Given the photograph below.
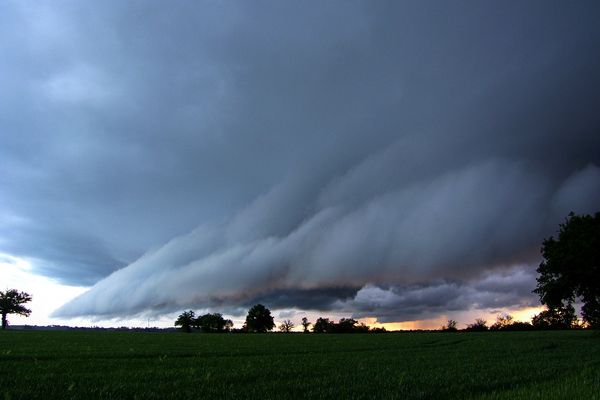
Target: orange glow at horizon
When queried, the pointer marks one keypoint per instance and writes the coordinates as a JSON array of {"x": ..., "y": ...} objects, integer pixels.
[
  {"x": 435, "y": 323},
  {"x": 526, "y": 314},
  {"x": 463, "y": 318}
]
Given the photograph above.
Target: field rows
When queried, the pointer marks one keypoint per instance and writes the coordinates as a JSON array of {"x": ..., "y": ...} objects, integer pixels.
[{"x": 72, "y": 364}]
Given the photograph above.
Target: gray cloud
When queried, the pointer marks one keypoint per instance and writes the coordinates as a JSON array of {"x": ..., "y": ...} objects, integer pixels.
[
  {"x": 310, "y": 150},
  {"x": 508, "y": 289}
]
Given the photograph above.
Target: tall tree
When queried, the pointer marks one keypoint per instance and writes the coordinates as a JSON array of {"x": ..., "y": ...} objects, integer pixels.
[
  {"x": 305, "y": 324},
  {"x": 259, "y": 319},
  {"x": 213, "y": 323},
  {"x": 186, "y": 320},
  {"x": 479, "y": 325},
  {"x": 286, "y": 326},
  {"x": 11, "y": 302},
  {"x": 323, "y": 325},
  {"x": 345, "y": 325},
  {"x": 555, "y": 318},
  {"x": 571, "y": 267},
  {"x": 450, "y": 326},
  {"x": 503, "y": 322}
]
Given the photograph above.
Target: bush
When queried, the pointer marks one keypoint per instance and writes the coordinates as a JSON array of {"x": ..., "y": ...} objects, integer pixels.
[{"x": 480, "y": 325}]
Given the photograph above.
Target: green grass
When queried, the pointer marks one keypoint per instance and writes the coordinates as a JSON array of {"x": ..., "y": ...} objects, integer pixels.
[{"x": 127, "y": 365}]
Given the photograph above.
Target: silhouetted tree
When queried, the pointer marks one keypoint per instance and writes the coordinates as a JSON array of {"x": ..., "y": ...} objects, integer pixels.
[
  {"x": 323, "y": 325},
  {"x": 186, "y": 320},
  {"x": 286, "y": 326},
  {"x": 305, "y": 324},
  {"x": 11, "y": 302},
  {"x": 360, "y": 328},
  {"x": 259, "y": 319},
  {"x": 450, "y": 326},
  {"x": 555, "y": 318},
  {"x": 213, "y": 323},
  {"x": 503, "y": 322},
  {"x": 345, "y": 325},
  {"x": 378, "y": 330},
  {"x": 480, "y": 325},
  {"x": 571, "y": 269},
  {"x": 519, "y": 326}
]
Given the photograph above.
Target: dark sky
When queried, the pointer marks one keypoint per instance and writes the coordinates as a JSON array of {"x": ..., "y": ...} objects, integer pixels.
[{"x": 387, "y": 159}]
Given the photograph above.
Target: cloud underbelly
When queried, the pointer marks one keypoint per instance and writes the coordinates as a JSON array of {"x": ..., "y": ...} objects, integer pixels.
[{"x": 454, "y": 226}]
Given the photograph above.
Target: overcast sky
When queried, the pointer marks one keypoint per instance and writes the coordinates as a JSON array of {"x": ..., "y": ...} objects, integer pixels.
[{"x": 392, "y": 160}]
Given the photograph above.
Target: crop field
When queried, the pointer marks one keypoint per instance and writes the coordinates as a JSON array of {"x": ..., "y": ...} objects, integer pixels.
[{"x": 127, "y": 365}]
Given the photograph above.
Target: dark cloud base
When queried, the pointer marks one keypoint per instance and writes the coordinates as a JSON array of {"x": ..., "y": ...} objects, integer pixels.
[{"x": 308, "y": 299}]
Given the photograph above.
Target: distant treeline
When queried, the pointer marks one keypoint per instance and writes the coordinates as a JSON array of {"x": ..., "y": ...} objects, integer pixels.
[
  {"x": 259, "y": 319},
  {"x": 345, "y": 325},
  {"x": 550, "y": 319},
  {"x": 215, "y": 323},
  {"x": 91, "y": 328}
]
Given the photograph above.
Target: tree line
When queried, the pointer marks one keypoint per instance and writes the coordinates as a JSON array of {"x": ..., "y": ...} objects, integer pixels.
[
  {"x": 208, "y": 323},
  {"x": 260, "y": 320},
  {"x": 545, "y": 320}
]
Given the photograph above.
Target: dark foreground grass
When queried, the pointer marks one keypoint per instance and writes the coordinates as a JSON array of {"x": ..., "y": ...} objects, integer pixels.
[{"x": 127, "y": 365}]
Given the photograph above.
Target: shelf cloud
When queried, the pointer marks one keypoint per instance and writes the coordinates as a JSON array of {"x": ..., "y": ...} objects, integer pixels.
[{"x": 454, "y": 227}]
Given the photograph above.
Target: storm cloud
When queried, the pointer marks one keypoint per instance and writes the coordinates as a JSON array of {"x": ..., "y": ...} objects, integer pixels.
[
  {"x": 496, "y": 291},
  {"x": 312, "y": 156}
]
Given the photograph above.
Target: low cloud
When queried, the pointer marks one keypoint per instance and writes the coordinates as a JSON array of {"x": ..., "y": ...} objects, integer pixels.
[
  {"x": 457, "y": 226},
  {"x": 498, "y": 290}
]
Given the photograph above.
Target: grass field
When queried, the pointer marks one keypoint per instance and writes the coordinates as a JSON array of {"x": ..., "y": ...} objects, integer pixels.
[{"x": 119, "y": 365}]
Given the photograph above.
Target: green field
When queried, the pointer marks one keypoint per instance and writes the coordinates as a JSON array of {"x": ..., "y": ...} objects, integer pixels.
[{"x": 115, "y": 365}]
